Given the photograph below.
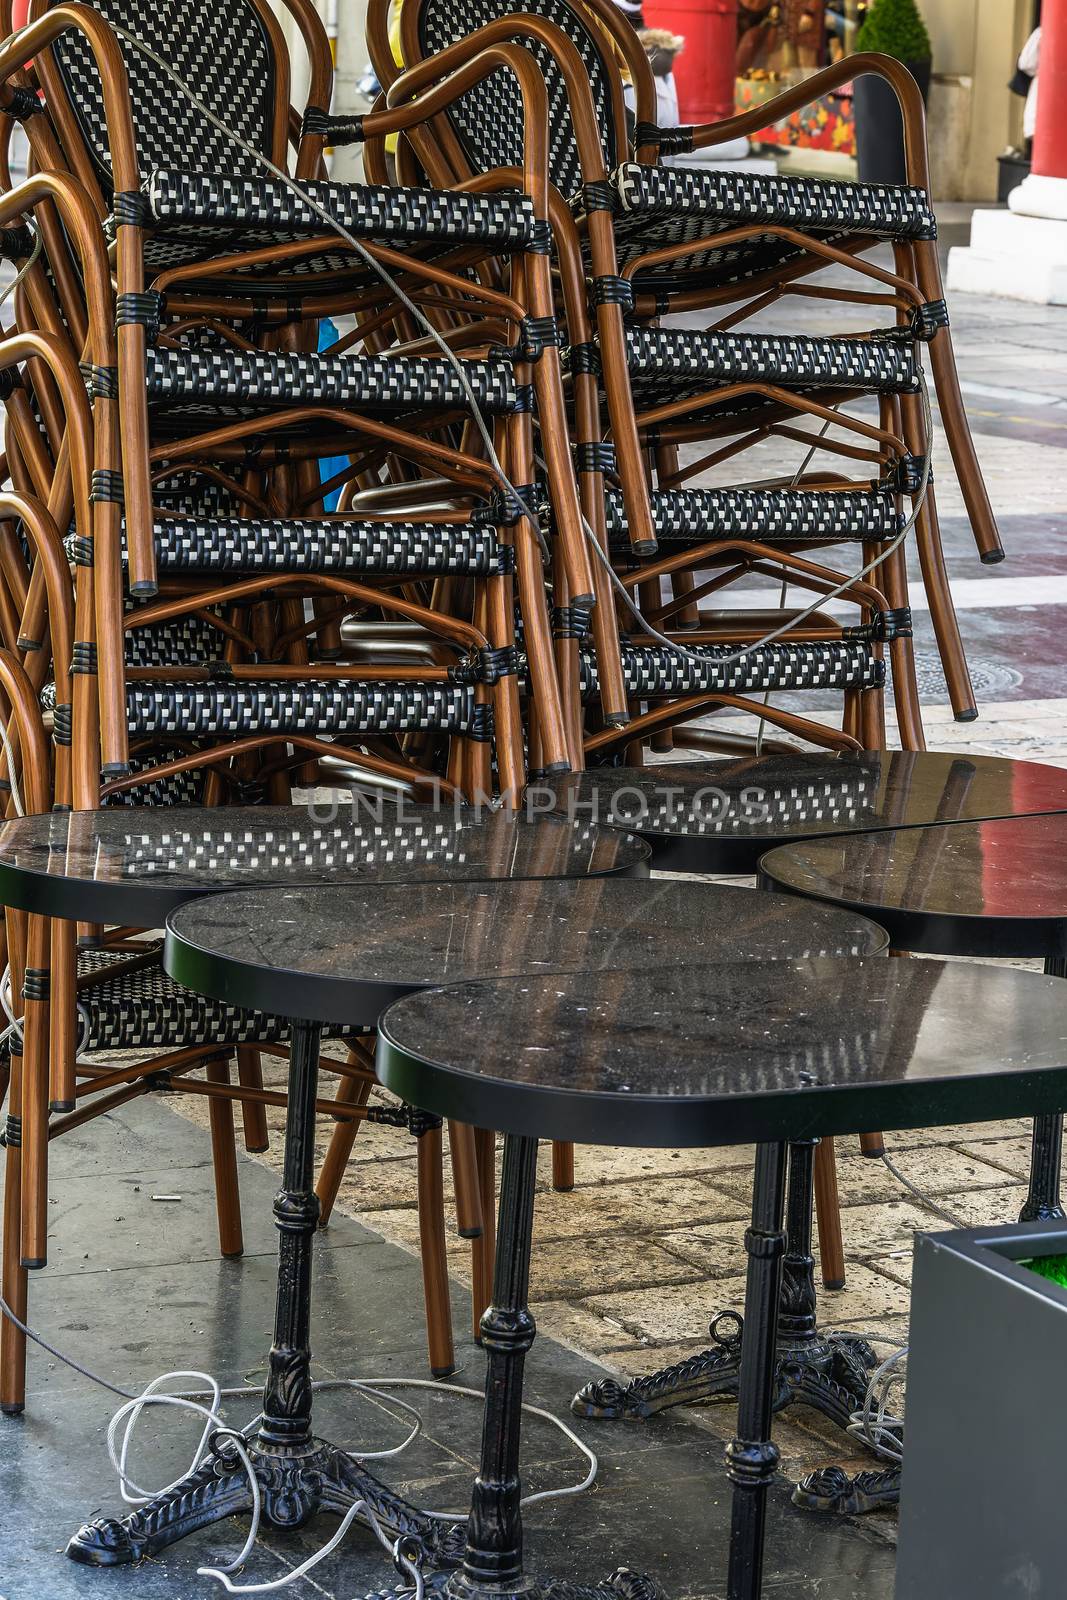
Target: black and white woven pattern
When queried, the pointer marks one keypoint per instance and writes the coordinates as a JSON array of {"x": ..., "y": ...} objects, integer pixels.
[
  {"x": 184, "y": 788},
  {"x": 693, "y": 516},
  {"x": 222, "y": 709},
  {"x": 252, "y": 379},
  {"x": 316, "y": 849},
  {"x": 337, "y": 546},
  {"x": 677, "y": 361},
  {"x": 813, "y": 205},
  {"x": 221, "y": 50},
  {"x": 656, "y": 672},
  {"x": 232, "y": 200},
  {"x": 783, "y": 807},
  {"x": 182, "y": 641},
  {"x": 660, "y": 206},
  {"x": 146, "y": 1010},
  {"x": 489, "y": 119}
]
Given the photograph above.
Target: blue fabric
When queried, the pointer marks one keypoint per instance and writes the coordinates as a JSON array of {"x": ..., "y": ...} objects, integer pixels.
[{"x": 328, "y": 465}]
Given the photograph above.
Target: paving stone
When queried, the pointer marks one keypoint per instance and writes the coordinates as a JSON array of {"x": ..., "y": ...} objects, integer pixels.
[
  {"x": 379, "y": 1184},
  {"x": 670, "y": 1313},
  {"x": 862, "y": 1180},
  {"x": 1011, "y": 1154},
  {"x": 966, "y": 1133},
  {"x": 580, "y": 1328},
  {"x": 875, "y": 1230},
  {"x": 595, "y": 1164},
  {"x": 662, "y": 1203},
  {"x": 987, "y": 1209},
  {"x": 563, "y": 1269}
]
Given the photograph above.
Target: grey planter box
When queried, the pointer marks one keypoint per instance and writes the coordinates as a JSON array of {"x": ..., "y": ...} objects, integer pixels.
[{"x": 982, "y": 1508}]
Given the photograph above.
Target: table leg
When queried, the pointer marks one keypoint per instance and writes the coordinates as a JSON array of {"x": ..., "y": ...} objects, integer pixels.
[
  {"x": 828, "y": 1373},
  {"x": 298, "y": 1474},
  {"x": 752, "y": 1457},
  {"x": 1042, "y": 1203},
  {"x": 492, "y": 1567}
]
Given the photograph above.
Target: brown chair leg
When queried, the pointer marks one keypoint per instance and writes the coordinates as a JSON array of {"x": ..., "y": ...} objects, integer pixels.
[
  {"x": 873, "y": 1145},
  {"x": 483, "y": 1249},
  {"x": 439, "y": 1340},
  {"x": 355, "y": 1092},
  {"x": 224, "y": 1161},
  {"x": 465, "y": 1179},
  {"x": 562, "y": 1166},
  {"x": 828, "y": 1212},
  {"x": 15, "y": 1277},
  {"x": 953, "y": 415},
  {"x": 253, "y": 1113}
]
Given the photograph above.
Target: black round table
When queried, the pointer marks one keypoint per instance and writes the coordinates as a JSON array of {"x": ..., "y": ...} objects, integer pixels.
[
  {"x": 134, "y": 866},
  {"x": 722, "y": 815},
  {"x": 342, "y": 955},
  {"x": 987, "y": 889},
  {"x": 702, "y": 1056}
]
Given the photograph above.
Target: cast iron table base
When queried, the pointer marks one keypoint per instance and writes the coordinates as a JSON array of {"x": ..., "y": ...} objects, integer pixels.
[
  {"x": 298, "y": 1474},
  {"x": 491, "y": 1567},
  {"x": 827, "y": 1372}
]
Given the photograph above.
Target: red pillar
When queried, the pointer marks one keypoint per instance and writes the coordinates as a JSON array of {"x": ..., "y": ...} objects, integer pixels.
[
  {"x": 704, "y": 72},
  {"x": 1050, "y": 135}
]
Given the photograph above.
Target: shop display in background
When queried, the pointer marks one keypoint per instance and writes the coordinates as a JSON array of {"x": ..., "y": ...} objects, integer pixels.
[{"x": 782, "y": 42}]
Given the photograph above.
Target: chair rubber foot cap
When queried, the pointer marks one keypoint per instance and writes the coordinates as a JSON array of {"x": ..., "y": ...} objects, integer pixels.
[
  {"x": 233, "y": 1255},
  {"x": 584, "y": 602},
  {"x": 28, "y": 644},
  {"x": 617, "y": 719},
  {"x": 144, "y": 590},
  {"x": 644, "y": 547},
  {"x": 443, "y": 1372},
  {"x": 992, "y": 558},
  {"x": 965, "y": 716},
  {"x": 257, "y": 1149},
  {"x": 470, "y": 1233},
  {"x": 62, "y": 1105},
  {"x": 562, "y": 1188},
  {"x": 557, "y": 768},
  {"x": 33, "y": 1264},
  {"x": 14, "y": 1409},
  {"x": 833, "y": 1283},
  {"x": 116, "y": 769}
]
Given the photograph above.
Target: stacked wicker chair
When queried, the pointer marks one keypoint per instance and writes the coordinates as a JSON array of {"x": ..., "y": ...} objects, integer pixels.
[
  {"x": 205, "y": 661},
  {"x": 511, "y": 583},
  {"x": 659, "y": 238}
]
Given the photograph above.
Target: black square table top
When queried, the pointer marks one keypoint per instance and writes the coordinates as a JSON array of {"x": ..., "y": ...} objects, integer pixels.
[
  {"x": 722, "y": 1054},
  {"x": 722, "y": 815},
  {"x": 341, "y": 955},
  {"x": 996, "y": 888},
  {"x": 135, "y": 865}
]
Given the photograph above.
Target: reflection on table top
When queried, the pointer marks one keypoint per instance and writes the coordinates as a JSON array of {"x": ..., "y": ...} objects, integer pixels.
[
  {"x": 984, "y": 888},
  {"x": 127, "y": 864},
  {"x": 720, "y": 815}
]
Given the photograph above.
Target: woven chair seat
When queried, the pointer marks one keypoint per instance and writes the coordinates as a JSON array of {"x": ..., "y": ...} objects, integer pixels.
[
  {"x": 660, "y": 206},
  {"x": 695, "y": 516},
  {"x": 670, "y": 363},
  {"x": 194, "y": 214},
  {"x": 234, "y": 709},
  {"x": 329, "y": 545},
  {"x": 245, "y": 381},
  {"x": 146, "y": 1010},
  {"x": 654, "y": 671}
]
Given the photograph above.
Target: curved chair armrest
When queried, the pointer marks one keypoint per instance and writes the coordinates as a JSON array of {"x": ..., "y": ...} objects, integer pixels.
[{"x": 895, "y": 73}]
